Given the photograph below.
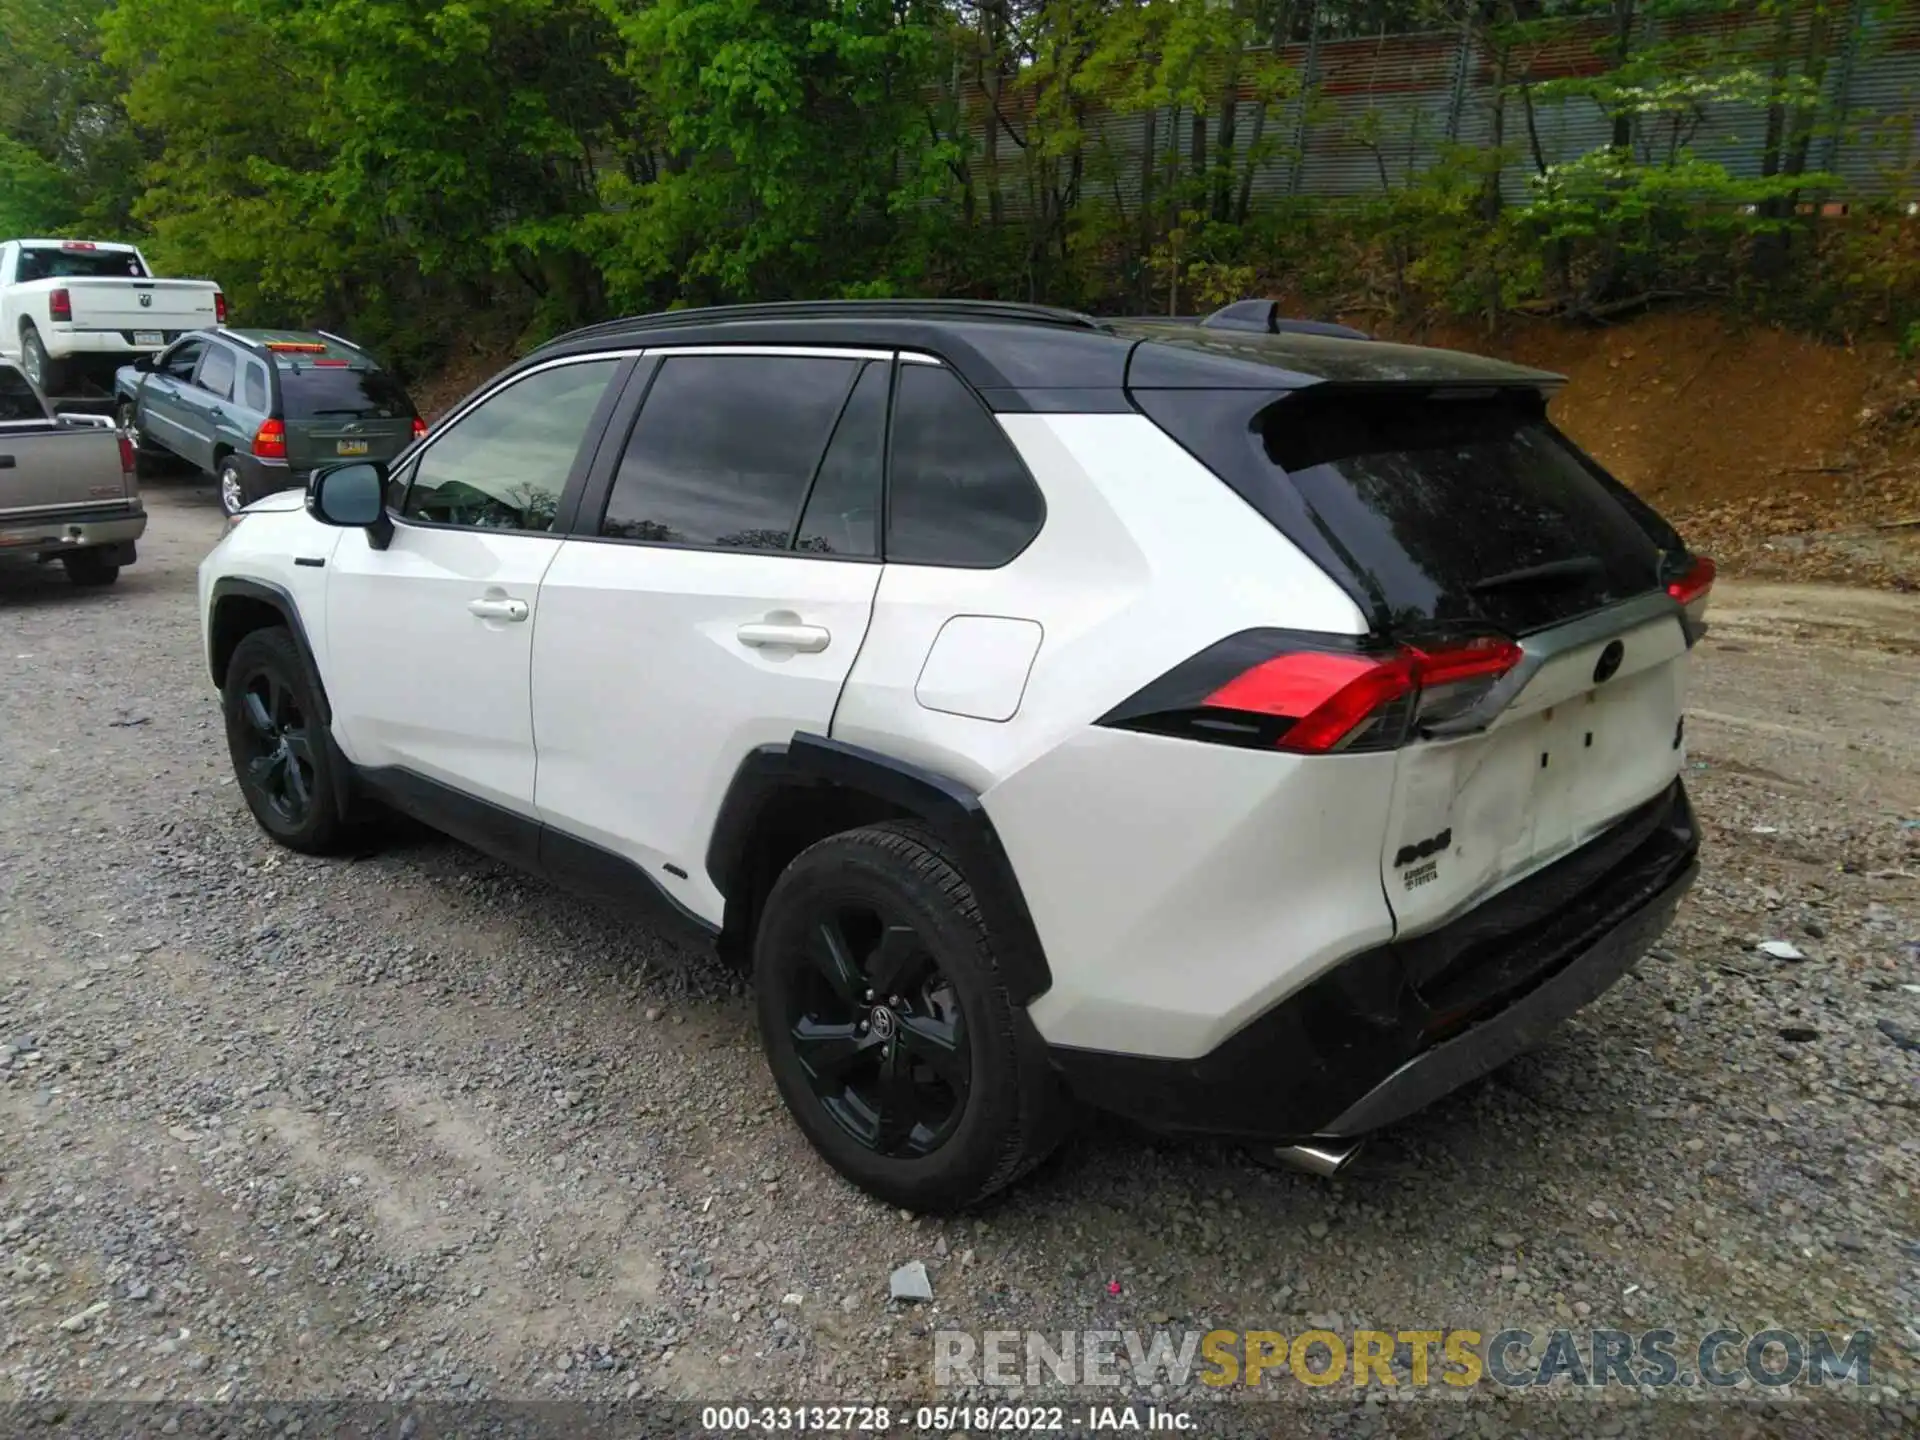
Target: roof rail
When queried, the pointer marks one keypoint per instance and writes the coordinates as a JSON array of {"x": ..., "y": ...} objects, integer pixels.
[
  {"x": 340, "y": 340},
  {"x": 830, "y": 309},
  {"x": 238, "y": 338},
  {"x": 1264, "y": 317}
]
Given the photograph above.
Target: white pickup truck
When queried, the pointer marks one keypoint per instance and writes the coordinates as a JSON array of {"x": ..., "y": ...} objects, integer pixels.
[{"x": 77, "y": 310}]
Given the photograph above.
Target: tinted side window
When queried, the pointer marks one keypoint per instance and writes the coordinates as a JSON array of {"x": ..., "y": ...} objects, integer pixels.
[
  {"x": 957, "y": 492},
  {"x": 504, "y": 464},
  {"x": 724, "y": 449},
  {"x": 180, "y": 360},
  {"x": 256, "y": 388},
  {"x": 216, "y": 372},
  {"x": 842, "y": 517}
]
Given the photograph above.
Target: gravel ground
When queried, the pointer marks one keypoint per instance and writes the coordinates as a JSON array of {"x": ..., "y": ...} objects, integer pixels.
[{"x": 411, "y": 1126}]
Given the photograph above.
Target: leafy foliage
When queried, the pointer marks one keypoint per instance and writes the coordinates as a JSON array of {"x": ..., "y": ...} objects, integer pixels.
[{"x": 441, "y": 173}]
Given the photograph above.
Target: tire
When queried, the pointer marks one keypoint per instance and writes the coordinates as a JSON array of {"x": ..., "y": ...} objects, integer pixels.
[
  {"x": 41, "y": 368},
  {"x": 91, "y": 567},
  {"x": 283, "y": 759},
  {"x": 230, "y": 483},
  {"x": 927, "y": 1089}
]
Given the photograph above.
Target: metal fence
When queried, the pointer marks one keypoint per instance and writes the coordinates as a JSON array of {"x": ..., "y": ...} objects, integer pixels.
[{"x": 1375, "y": 113}]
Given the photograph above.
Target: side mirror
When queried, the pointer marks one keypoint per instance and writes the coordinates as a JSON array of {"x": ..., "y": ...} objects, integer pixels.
[
  {"x": 146, "y": 361},
  {"x": 354, "y": 498}
]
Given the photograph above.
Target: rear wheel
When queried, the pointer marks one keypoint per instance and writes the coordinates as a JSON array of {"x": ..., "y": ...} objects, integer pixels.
[
  {"x": 91, "y": 567},
  {"x": 234, "y": 495},
  {"x": 281, "y": 755},
  {"x": 888, "y": 1026},
  {"x": 39, "y": 366}
]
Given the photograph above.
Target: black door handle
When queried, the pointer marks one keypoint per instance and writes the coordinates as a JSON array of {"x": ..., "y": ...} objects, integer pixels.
[{"x": 6, "y": 462}]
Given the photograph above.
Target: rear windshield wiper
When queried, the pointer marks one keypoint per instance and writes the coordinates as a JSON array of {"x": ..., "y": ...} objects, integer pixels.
[{"x": 1573, "y": 568}]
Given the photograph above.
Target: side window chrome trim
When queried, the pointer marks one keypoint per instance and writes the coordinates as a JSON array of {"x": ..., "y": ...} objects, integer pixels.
[
  {"x": 913, "y": 357},
  {"x": 804, "y": 352}
]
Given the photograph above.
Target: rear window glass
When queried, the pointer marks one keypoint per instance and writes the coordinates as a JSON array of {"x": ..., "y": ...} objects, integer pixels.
[
  {"x": 47, "y": 263},
  {"x": 310, "y": 391},
  {"x": 17, "y": 400},
  {"x": 1462, "y": 510}
]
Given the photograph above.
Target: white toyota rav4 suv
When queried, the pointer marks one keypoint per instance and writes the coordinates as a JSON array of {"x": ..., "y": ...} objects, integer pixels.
[{"x": 1244, "y": 726}]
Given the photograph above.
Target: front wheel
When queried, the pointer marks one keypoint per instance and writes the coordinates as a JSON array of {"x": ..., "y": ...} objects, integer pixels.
[
  {"x": 279, "y": 746},
  {"x": 234, "y": 496},
  {"x": 888, "y": 1026}
]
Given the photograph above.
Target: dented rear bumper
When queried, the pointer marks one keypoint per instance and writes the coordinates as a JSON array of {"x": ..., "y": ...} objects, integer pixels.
[{"x": 1394, "y": 1028}]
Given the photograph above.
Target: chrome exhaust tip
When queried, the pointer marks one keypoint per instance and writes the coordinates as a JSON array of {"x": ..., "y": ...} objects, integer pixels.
[{"x": 1325, "y": 1156}]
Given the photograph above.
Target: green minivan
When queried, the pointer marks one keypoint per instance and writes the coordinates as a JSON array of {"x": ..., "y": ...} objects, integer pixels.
[{"x": 259, "y": 410}]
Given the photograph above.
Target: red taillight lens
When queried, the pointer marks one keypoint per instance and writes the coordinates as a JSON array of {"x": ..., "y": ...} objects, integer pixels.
[
  {"x": 419, "y": 427},
  {"x": 1318, "y": 697},
  {"x": 126, "y": 454},
  {"x": 1692, "y": 590},
  {"x": 270, "y": 440},
  {"x": 60, "y": 305},
  {"x": 219, "y": 308}
]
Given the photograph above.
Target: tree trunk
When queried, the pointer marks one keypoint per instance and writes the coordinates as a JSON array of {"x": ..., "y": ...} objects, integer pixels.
[
  {"x": 1223, "y": 146},
  {"x": 1814, "y": 71},
  {"x": 1197, "y": 149},
  {"x": 1490, "y": 198},
  {"x": 990, "y": 152},
  {"x": 1623, "y": 18},
  {"x": 1147, "y": 141},
  {"x": 1777, "y": 78}
]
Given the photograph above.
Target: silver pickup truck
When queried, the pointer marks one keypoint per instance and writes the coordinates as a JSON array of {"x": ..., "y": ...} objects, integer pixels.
[{"x": 67, "y": 486}]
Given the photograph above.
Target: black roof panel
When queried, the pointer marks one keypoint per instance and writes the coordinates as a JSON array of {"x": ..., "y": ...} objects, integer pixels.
[{"x": 1008, "y": 352}]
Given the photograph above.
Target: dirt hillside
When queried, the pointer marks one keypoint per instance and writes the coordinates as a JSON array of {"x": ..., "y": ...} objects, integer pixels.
[{"x": 1776, "y": 453}]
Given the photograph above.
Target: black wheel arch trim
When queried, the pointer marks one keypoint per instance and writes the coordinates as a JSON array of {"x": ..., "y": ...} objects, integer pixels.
[
  {"x": 950, "y": 808},
  {"x": 281, "y": 600}
]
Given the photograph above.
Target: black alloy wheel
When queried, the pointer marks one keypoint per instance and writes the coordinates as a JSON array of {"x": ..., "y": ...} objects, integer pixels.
[
  {"x": 277, "y": 745},
  {"x": 889, "y": 1026},
  {"x": 878, "y": 1029},
  {"x": 283, "y": 757}
]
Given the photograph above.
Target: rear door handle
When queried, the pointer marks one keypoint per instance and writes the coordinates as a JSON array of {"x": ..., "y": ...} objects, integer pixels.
[
  {"x": 767, "y": 634},
  {"x": 498, "y": 609}
]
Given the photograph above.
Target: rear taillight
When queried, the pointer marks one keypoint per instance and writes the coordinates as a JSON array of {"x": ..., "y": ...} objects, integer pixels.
[
  {"x": 126, "y": 455},
  {"x": 270, "y": 440},
  {"x": 60, "y": 306},
  {"x": 1317, "y": 695},
  {"x": 419, "y": 427},
  {"x": 1691, "y": 591},
  {"x": 219, "y": 308}
]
